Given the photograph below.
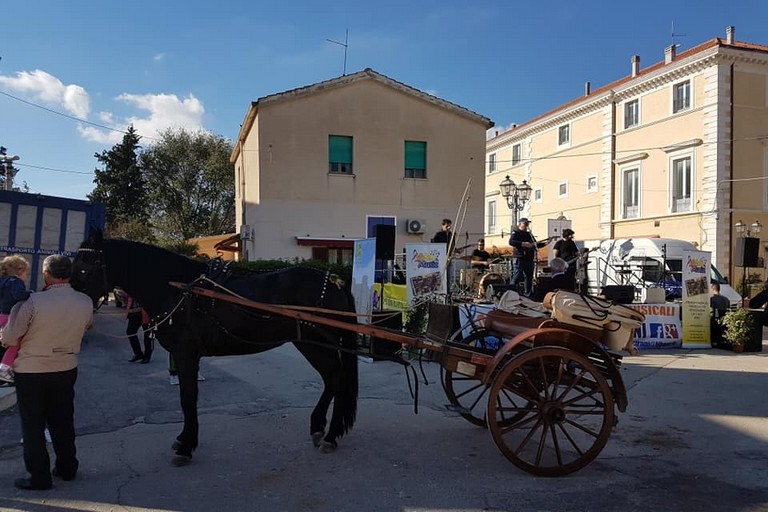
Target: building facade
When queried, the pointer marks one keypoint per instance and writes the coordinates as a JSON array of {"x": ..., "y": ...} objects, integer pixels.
[
  {"x": 676, "y": 150},
  {"x": 320, "y": 166}
]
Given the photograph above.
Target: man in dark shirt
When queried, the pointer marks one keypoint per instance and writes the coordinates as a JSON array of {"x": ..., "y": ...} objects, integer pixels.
[
  {"x": 525, "y": 253},
  {"x": 480, "y": 256},
  {"x": 444, "y": 235}
]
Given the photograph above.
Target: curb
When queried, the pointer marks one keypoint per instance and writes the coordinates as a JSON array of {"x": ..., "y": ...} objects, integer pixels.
[{"x": 7, "y": 398}]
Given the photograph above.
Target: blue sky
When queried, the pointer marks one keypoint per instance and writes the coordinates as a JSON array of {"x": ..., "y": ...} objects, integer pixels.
[{"x": 198, "y": 64}]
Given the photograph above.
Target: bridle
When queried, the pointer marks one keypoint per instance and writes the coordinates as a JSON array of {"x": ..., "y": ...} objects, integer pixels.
[{"x": 97, "y": 264}]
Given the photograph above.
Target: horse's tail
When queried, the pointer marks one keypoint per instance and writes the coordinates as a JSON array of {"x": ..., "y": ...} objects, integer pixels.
[{"x": 349, "y": 363}]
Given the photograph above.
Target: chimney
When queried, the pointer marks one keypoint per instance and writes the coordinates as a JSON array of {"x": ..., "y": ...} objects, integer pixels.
[
  {"x": 730, "y": 31},
  {"x": 635, "y": 65},
  {"x": 587, "y": 88},
  {"x": 669, "y": 53}
]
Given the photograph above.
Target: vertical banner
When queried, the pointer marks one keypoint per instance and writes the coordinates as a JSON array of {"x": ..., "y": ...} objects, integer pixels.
[
  {"x": 696, "y": 299},
  {"x": 363, "y": 266},
  {"x": 425, "y": 267}
]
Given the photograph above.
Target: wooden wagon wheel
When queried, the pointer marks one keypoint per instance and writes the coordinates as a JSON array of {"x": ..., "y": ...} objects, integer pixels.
[
  {"x": 468, "y": 394},
  {"x": 568, "y": 416}
]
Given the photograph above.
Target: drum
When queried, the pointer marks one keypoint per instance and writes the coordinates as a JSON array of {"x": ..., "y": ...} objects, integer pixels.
[
  {"x": 468, "y": 278},
  {"x": 487, "y": 280},
  {"x": 499, "y": 268}
]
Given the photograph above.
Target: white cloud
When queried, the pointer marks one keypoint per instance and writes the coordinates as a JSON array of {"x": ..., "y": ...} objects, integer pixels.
[
  {"x": 159, "y": 57},
  {"x": 48, "y": 89},
  {"x": 164, "y": 111}
]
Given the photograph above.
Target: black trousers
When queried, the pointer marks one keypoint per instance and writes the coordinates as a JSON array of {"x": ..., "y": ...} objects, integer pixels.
[
  {"x": 134, "y": 322},
  {"x": 48, "y": 399}
]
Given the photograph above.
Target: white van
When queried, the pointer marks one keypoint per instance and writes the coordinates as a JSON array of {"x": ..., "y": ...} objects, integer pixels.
[{"x": 644, "y": 263}]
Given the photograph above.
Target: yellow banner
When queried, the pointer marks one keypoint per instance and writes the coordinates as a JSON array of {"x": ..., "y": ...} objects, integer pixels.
[{"x": 696, "y": 308}]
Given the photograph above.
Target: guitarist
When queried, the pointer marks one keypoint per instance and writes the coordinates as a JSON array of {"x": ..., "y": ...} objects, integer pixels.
[
  {"x": 566, "y": 249},
  {"x": 525, "y": 248}
]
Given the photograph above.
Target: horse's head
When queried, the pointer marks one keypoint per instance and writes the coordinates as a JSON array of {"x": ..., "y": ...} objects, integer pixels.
[{"x": 89, "y": 273}]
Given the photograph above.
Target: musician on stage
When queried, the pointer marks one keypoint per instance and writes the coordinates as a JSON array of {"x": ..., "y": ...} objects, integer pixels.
[
  {"x": 479, "y": 258},
  {"x": 444, "y": 235},
  {"x": 566, "y": 249},
  {"x": 525, "y": 249}
]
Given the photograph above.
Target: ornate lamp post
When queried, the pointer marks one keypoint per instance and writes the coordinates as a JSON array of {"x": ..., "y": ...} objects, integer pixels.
[
  {"x": 6, "y": 167},
  {"x": 516, "y": 196}
]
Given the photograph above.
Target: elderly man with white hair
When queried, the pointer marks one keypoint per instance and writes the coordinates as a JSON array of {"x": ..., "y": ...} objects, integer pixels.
[{"x": 560, "y": 280}]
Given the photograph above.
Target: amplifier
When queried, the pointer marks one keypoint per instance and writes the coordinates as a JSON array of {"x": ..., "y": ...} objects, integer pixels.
[{"x": 623, "y": 294}]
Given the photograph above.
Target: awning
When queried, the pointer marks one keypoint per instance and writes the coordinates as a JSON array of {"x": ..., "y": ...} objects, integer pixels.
[{"x": 316, "y": 241}]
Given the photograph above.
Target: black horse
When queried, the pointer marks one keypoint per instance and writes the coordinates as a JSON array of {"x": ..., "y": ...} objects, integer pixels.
[{"x": 190, "y": 326}]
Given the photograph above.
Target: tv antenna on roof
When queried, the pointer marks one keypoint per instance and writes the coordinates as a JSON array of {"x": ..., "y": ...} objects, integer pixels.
[
  {"x": 345, "y": 44},
  {"x": 673, "y": 35}
]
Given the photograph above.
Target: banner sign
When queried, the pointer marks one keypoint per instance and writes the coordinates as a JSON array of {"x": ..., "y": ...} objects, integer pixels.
[
  {"x": 661, "y": 329},
  {"x": 394, "y": 297},
  {"x": 424, "y": 266},
  {"x": 363, "y": 263},
  {"x": 696, "y": 310}
]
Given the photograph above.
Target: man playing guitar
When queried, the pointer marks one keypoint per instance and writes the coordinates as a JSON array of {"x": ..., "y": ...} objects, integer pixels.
[{"x": 525, "y": 248}]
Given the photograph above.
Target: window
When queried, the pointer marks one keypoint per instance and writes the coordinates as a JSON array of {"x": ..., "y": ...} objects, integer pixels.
[
  {"x": 631, "y": 114},
  {"x": 564, "y": 135},
  {"x": 631, "y": 193},
  {"x": 591, "y": 183},
  {"x": 491, "y": 162},
  {"x": 339, "y": 154},
  {"x": 562, "y": 189},
  {"x": 491, "y": 217},
  {"x": 681, "y": 96},
  {"x": 537, "y": 195},
  {"x": 681, "y": 184},
  {"x": 415, "y": 159},
  {"x": 516, "y": 152}
]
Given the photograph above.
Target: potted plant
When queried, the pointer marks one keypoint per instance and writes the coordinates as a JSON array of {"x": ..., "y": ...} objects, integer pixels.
[{"x": 739, "y": 325}]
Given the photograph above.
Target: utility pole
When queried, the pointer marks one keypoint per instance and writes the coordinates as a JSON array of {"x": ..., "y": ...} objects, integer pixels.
[{"x": 6, "y": 167}]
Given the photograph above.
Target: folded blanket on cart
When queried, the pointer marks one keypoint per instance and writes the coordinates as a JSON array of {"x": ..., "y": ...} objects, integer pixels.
[{"x": 617, "y": 321}]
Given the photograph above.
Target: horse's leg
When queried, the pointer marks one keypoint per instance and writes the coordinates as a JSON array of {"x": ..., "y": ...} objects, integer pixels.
[
  {"x": 186, "y": 442},
  {"x": 318, "y": 420}
]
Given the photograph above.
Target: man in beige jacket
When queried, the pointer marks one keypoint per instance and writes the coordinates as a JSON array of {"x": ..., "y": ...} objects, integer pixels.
[{"x": 52, "y": 324}]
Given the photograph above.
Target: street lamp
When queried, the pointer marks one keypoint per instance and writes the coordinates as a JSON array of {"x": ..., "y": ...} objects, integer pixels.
[
  {"x": 516, "y": 195},
  {"x": 746, "y": 241},
  {"x": 6, "y": 167}
]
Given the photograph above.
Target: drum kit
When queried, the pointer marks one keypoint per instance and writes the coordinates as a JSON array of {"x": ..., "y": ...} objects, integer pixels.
[{"x": 473, "y": 280}]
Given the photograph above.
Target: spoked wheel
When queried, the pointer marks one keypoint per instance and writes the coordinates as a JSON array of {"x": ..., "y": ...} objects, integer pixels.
[
  {"x": 467, "y": 393},
  {"x": 567, "y": 417}
]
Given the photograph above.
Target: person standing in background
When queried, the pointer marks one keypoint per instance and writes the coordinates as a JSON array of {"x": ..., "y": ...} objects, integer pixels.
[
  {"x": 444, "y": 235},
  {"x": 14, "y": 270},
  {"x": 525, "y": 250}
]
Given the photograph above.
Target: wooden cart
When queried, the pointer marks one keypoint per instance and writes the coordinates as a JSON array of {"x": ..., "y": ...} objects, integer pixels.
[{"x": 548, "y": 393}]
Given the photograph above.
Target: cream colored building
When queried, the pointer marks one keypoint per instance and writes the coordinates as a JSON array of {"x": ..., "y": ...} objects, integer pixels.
[
  {"x": 677, "y": 149},
  {"x": 317, "y": 167}
]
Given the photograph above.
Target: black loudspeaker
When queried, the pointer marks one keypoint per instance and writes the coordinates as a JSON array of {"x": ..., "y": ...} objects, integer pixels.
[
  {"x": 385, "y": 241},
  {"x": 623, "y": 294},
  {"x": 746, "y": 252}
]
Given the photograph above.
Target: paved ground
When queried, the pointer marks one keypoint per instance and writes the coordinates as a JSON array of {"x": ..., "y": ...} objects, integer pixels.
[{"x": 695, "y": 438}]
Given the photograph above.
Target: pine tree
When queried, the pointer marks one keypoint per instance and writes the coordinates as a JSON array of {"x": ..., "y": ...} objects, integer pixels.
[{"x": 121, "y": 184}]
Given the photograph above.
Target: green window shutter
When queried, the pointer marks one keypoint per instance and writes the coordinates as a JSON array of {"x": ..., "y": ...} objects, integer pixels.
[
  {"x": 415, "y": 159},
  {"x": 339, "y": 149}
]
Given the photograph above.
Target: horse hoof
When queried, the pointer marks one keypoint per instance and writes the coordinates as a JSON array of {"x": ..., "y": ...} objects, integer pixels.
[
  {"x": 326, "y": 447},
  {"x": 317, "y": 437},
  {"x": 176, "y": 445},
  {"x": 181, "y": 460}
]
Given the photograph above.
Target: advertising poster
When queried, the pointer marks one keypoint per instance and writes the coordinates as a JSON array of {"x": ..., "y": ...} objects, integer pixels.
[
  {"x": 425, "y": 265},
  {"x": 696, "y": 299},
  {"x": 393, "y": 297},
  {"x": 363, "y": 266},
  {"x": 661, "y": 328}
]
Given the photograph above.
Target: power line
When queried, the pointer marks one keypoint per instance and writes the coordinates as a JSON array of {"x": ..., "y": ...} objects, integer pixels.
[{"x": 74, "y": 118}]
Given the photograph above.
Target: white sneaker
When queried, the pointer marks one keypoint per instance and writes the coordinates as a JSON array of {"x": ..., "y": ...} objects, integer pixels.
[
  {"x": 6, "y": 374},
  {"x": 173, "y": 380}
]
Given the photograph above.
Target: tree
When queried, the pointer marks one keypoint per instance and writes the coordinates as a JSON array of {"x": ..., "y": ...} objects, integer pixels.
[
  {"x": 191, "y": 185},
  {"x": 120, "y": 185}
]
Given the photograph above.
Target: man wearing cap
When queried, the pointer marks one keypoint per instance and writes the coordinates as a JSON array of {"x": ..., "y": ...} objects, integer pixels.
[{"x": 525, "y": 250}]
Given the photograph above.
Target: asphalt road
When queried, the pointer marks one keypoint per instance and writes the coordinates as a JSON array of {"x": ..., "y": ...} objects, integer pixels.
[{"x": 695, "y": 438}]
